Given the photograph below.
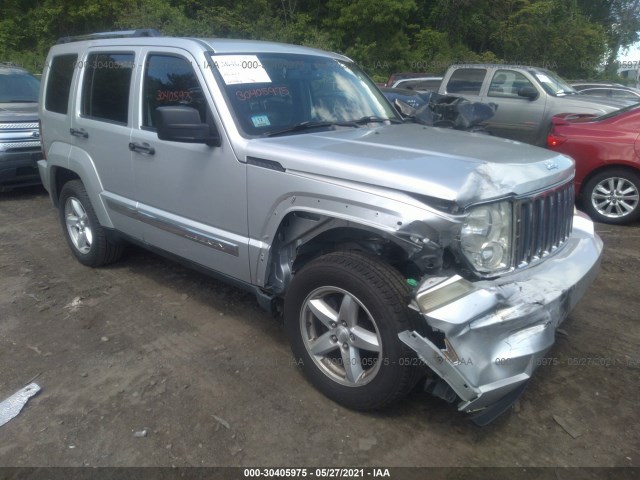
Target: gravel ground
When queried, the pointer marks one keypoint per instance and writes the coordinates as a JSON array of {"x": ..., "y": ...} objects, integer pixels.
[{"x": 146, "y": 363}]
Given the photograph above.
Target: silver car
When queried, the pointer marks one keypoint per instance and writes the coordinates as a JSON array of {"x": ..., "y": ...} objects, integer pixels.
[
  {"x": 394, "y": 251},
  {"x": 527, "y": 98}
]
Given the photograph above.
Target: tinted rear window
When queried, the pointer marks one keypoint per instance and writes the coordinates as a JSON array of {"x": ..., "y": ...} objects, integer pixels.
[
  {"x": 107, "y": 81},
  {"x": 59, "y": 83},
  {"x": 466, "y": 80}
]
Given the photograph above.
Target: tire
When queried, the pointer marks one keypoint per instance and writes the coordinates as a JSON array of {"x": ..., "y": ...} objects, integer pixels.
[
  {"x": 342, "y": 314},
  {"x": 613, "y": 196},
  {"x": 87, "y": 239}
]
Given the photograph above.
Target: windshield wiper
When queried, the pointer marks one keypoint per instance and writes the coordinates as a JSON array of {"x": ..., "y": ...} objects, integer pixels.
[
  {"x": 318, "y": 124},
  {"x": 301, "y": 126},
  {"x": 21, "y": 101},
  {"x": 563, "y": 93},
  {"x": 374, "y": 119}
]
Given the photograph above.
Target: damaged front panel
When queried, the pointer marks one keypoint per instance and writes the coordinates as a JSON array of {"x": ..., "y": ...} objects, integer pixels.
[
  {"x": 498, "y": 331},
  {"x": 346, "y": 215}
]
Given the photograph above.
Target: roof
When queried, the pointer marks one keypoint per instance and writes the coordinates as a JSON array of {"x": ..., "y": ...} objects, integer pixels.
[
  {"x": 495, "y": 65},
  {"x": 149, "y": 37}
]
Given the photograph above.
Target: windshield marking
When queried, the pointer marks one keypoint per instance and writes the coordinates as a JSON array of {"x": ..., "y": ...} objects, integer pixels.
[
  {"x": 237, "y": 69},
  {"x": 272, "y": 93},
  {"x": 260, "y": 121}
]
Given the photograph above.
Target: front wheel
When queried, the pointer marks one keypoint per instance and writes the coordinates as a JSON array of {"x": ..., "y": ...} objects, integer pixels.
[
  {"x": 343, "y": 312},
  {"x": 84, "y": 234},
  {"x": 613, "y": 196}
]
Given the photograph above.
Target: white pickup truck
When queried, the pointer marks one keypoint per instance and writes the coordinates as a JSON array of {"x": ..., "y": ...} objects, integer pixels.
[{"x": 527, "y": 98}]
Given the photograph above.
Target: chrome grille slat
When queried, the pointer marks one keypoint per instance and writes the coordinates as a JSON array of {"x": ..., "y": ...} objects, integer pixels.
[
  {"x": 544, "y": 223},
  {"x": 19, "y": 126},
  {"x": 10, "y": 146}
]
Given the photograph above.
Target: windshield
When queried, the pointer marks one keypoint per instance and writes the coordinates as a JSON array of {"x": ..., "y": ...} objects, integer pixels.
[
  {"x": 18, "y": 87},
  {"x": 276, "y": 93},
  {"x": 552, "y": 83}
]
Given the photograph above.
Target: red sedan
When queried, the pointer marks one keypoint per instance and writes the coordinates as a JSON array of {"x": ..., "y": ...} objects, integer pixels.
[{"x": 607, "y": 154}]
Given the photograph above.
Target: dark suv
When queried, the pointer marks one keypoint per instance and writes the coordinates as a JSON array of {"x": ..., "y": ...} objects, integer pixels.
[{"x": 19, "y": 133}]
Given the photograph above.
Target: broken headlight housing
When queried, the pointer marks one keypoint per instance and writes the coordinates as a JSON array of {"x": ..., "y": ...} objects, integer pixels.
[{"x": 486, "y": 237}]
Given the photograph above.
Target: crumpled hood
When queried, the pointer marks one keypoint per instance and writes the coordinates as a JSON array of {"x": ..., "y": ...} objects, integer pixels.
[{"x": 441, "y": 163}]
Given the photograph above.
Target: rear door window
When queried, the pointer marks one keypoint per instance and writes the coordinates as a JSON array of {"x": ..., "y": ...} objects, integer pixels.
[
  {"x": 59, "y": 83},
  {"x": 106, "y": 87},
  {"x": 466, "y": 81}
]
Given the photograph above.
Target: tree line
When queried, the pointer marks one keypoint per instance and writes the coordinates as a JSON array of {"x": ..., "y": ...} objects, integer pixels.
[{"x": 576, "y": 38}]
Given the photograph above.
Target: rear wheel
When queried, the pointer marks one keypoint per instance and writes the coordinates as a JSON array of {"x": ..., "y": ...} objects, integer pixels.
[
  {"x": 343, "y": 312},
  {"x": 84, "y": 234},
  {"x": 613, "y": 196}
]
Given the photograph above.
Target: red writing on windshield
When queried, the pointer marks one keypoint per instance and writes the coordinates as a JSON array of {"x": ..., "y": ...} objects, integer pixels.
[
  {"x": 173, "y": 96},
  {"x": 262, "y": 92}
]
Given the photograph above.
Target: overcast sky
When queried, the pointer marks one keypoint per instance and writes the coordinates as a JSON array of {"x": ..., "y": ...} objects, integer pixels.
[{"x": 633, "y": 55}]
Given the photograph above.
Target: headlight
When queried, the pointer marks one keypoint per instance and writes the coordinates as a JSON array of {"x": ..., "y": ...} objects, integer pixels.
[{"x": 485, "y": 237}]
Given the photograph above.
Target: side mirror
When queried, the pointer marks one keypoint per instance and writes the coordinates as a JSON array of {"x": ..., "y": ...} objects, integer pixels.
[
  {"x": 528, "y": 92},
  {"x": 183, "y": 124}
]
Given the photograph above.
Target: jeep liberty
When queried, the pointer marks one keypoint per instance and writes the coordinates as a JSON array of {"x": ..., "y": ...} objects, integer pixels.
[{"x": 395, "y": 252}]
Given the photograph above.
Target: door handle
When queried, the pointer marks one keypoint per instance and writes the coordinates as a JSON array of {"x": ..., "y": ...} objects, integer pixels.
[
  {"x": 79, "y": 132},
  {"x": 142, "y": 148}
]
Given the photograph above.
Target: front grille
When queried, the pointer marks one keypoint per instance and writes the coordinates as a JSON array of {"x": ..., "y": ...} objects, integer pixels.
[
  {"x": 33, "y": 145},
  {"x": 19, "y": 126},
  {"x": 26, "y": 171},
  {"x": 543, "y": 223}
]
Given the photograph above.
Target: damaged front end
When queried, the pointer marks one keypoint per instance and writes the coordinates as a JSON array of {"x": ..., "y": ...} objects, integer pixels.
[{"x": 490, "y": 334}]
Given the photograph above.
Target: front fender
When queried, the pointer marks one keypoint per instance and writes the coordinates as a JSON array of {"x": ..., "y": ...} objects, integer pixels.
[{"x": 275, "y": 195}]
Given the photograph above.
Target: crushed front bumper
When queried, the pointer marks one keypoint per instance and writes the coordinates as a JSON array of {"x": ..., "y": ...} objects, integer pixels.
[{"x": 496, "y": 332}]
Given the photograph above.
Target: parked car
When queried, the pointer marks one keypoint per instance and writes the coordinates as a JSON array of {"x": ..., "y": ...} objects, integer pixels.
[
  {"x": 421, "y": 83},
  {"x": 395, "y": 77},
  {"x": 20, "y": 146},
  {"x": 606, "y": 151},
  {"x": 608, "y": 90},
  {"x": 527, "y": 98},
  {"x": 393, "y": 250}
]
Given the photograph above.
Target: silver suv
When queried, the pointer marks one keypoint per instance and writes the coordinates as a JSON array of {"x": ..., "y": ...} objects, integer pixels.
[
  {"x": 395, "y": 252},
  {"x": 20, "y": 147}
]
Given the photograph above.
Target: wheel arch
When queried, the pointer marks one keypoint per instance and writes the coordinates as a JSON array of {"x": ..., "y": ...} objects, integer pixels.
[
  {"x": 60, "y": 176},
  {"x": 79, "y": 165},
  {"x": 633, "y": 168},
  {"x": 303, "y": 236}
]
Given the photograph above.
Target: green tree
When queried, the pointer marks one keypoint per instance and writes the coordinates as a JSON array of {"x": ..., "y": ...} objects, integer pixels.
[
  {"x": 376, "y": 34},
  {"x": 621, "y": 21},
  {"x": 571, "y": 36}
]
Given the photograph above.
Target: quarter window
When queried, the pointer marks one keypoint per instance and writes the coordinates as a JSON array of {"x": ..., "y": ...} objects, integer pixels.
[
  {"x": 168, "y": 81},
  {"x": 59, "y": 83},
  {"x": 107, "y": 81}
]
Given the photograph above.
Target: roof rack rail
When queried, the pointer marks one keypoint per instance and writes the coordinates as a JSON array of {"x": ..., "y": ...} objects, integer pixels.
[{"x": 141, "y": 32}]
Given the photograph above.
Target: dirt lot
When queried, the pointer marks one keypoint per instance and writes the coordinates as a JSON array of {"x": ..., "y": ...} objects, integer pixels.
[{"x": 149, "y": 346}]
